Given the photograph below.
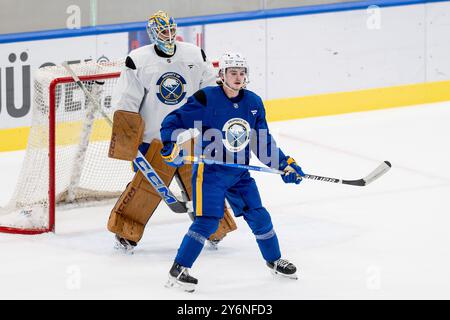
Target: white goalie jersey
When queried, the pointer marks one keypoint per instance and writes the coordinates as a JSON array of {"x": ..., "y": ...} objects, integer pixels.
[{"x": 154, "y": 85}]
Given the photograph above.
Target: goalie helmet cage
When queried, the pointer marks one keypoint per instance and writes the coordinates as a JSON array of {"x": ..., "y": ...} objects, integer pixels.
[{"x": 66, "y": 159}]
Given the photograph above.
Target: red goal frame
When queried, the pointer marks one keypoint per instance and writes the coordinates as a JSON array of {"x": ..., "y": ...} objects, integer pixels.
[{"x": 51, "y": 153}]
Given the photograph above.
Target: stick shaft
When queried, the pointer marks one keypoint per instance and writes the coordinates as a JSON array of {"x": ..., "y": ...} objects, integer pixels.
[
  {"x": 378, "y": 172},
  {"x": 140, "y": 161}
]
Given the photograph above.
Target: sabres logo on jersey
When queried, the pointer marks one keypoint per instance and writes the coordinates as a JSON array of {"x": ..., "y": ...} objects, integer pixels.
[
  {"x": 237, "y": 134},
  {"x": 172, "y": 88}
]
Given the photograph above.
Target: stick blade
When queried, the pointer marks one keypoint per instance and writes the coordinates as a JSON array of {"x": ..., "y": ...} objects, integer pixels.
[
  {"x": 178, "y": 207},
  {"x": 375, "y": 174},
  {"x": 378, "y": 172}
]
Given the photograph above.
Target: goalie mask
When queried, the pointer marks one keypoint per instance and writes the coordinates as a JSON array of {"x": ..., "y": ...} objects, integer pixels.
[
  {"x": 162, "y": 30},
  {"x": 233, "y": 60}
]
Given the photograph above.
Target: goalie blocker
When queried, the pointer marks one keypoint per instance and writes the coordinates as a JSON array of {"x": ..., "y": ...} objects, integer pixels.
[
  {"x": 127, "y": 132},
  {"x": 138, "y": 202}
]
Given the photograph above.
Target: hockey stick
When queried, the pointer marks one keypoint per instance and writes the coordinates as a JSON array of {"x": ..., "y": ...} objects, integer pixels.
[
  {"x": 375, "y": 174},
  {"x": 144, "y": 166}
]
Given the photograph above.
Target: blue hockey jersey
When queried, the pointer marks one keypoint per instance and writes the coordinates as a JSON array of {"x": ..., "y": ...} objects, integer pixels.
[{"x": 231, "y": 128}]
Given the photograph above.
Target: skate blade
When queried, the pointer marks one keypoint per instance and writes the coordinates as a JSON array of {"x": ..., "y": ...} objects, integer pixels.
[
  {"x": 174, "y": 283},
  {"x": 121, "y": 249},
  {"x": 285, "y": 276},
  {"x": 212, "y": 245}
]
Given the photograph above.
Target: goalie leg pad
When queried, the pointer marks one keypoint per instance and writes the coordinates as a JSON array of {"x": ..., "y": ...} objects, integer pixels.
[
  {"x": 138, "y": 202},
  {"x": 226, "y": 224}
]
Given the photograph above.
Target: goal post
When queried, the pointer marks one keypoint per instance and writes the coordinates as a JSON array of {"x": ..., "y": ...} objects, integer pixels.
[{"x": 66, "y": 160}]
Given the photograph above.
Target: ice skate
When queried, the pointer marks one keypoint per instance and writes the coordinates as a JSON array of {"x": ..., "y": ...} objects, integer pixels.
[
  {"x": 283, "y": 268},
  {"x": 213, "y": 244},
  {"x": 179, "y": 276},
  {"x": 124, "y": 245}
]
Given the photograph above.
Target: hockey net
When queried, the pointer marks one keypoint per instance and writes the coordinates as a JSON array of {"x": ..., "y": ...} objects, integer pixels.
[{"x": 66, "y": 159}]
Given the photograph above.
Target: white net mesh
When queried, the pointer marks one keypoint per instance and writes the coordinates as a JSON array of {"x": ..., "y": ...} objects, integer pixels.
[{"x": 83, "y": 171}]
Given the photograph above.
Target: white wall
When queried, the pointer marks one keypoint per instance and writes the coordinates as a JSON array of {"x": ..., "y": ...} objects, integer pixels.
[
  {"x": 289, "y": 57},
  {"x": 340, "y": 51},
  {"x": 37, "y": 53},
  {"x": 438, "y": 41},
  {"x": 247, "y": 37}
]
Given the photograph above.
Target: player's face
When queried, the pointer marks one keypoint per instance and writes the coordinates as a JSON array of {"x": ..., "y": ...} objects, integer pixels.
[
  {"x": 167, "y": 34},
  {"x": 235, "y": 77}
]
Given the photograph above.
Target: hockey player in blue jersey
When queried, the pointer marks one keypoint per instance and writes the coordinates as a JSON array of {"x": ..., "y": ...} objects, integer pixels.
[{"x": 233, "y": 123}]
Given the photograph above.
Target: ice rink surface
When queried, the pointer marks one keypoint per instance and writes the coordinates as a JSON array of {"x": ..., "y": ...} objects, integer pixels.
[{"x": 388, "y": 240}]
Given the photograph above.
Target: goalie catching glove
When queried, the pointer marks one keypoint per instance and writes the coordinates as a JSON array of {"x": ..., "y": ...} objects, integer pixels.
[
  {"x": 292, "y": 171},
  {"x": 172, "y": 154}
]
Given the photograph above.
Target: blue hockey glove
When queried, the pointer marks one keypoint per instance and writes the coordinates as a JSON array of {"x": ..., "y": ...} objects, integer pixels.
[
  {"x": 172, "y": 154},
  {"x": 293, "y": 172}
]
